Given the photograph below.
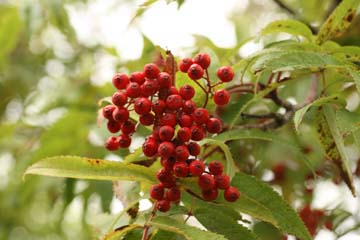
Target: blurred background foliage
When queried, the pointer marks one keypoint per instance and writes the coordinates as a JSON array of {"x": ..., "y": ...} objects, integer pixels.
[{"x": 50, "y": 86}]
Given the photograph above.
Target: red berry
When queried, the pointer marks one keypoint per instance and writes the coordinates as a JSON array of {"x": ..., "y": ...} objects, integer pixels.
[
  {"x": 168, "y": 163},
  {"x": 203, "y": 59},
  {"x": 128, "y": 127},
  {"x": 184, "y": 64},
  {"x": 158, "y": 106},
  {"x": 149, "y": 88},
  {"x": 150, "y": 148},
  {"x": 174, "y": 101},
  {"x": 173, "y": 194},
  {"x": 168, "y": 119},
  {"x": 184, "y": 134},
  {"x": 147, "y": 119},
  {"x": 133, "y": 90},
  {"x": 187, "y": 92},
  {"x": 120, "y": 114},
  {"x": 142, "y": 106},
  {"x": 164, "y": 80},
  {"x": 222, "y": 181},
  {"x": 225, "y": 74},
  {"x": 213, "y": 125},
  {"x": 216, "y": 168},
  {"x": 279, "y": 171},
  {"x": 119, "y": 98},
  {"x": 151, "y": 70},
  {"x": 157, "y": 191},
  {"x": 164, "y": 176},
  {"x": 181, "y": 153},
  {"x": 173, "y": 90},
  {"x": 165, "y": 149},
  {"x": 189, "y": 106},
  {"x": 200, "y": 115},
  {"x": 166, "y": 133},
  {"x": 221, "y": 97},
  {"x": 124, "y": 141},
  {"x": 163, "y": 205},
  {"x": 195, "y": 71},
  {"x": 210, "y": 195},
  {"x": 231, "y": 194},
  {"x": 197, "y": 133},
  {"x": 197, "y": 168},
  {"x": 113, "y": 126},
  {"x": 181, "y": 169},
  {"x": 206, "y": 182},
  {"x": 137, "y": 77},
  {"x": 194, "y": 148},
  {"x": 185, "y": 120},
  {"x": 107, "y": 111},
  {"x": 112, "y": 144},
  {"x": 120, "y": 80}
]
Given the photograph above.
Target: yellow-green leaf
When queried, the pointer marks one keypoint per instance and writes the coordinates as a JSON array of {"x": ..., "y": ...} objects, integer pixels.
[{"x": 119, "y": 232}]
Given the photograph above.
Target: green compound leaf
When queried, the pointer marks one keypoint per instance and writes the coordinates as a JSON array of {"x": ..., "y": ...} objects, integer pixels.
[
  {"x": 119, "y": 232},
  {"x": 279, "y": 212},
  {"x": 292, "y": 27},
  {"x": 347, "y": 121},
  {"x": 89, "y": 168},
  {"x": 338, "y": 21},
  {"x": 190, "y": 233},
  {"x": 349, "y": 53},
  {"x": 299, "y": 114}
]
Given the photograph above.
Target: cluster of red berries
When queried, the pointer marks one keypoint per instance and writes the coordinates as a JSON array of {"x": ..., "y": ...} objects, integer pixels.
[{"x": 177, "y": 126}]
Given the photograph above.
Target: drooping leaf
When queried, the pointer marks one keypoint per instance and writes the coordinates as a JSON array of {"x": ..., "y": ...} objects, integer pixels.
[
  {"x": 88, "y": 168},
  {"x": 338, "y": 21},
  {"x": 190, "y": 233},
  {"x": 119, "y": 232}
]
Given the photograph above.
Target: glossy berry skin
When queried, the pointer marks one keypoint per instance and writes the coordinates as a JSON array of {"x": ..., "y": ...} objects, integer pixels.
[
  {"x": 194, "y": 148},
  {"x": 133, "y": 90},
  {"x": 174, "y": 101},
  {"x": 119, "y": 98},
  {"x": 200, "y": 115},
  {"x": 225, "y": 74},
  {"x": 231, "y": 194},
  {"x": 120, "y": 80},
  {"x": 184, "y": 64},
  {"x": 113, "y": 126},
  {"x": 166, "y": 133},
  {"x": 149, "y": 88},
  {"x": 147, "y": 119},
  {"x": 216, "y": 168},
  {"x": 181, "y": 153},
  {"x": 197, "y": 168},
  {"x": 137, "y": 77},
  {"x": 222, "y": 181},
  {"x": 210, "y": 195},
  {"x": 173, "y": 90},
  {"x": 181, "y": 169},
  {"x": 158, "y": 106},
  {"x": 168, "y": 163},
  {"x": 185, "y": 120},
  {"x": 173, "y": 194},
  {"x": 164, "y": 175},
  {"x": 142, "y": 106},
  {"x": 165, "y": 149},
  {"x": 184, "y": 134},
  {"x": 151, "y": 70},
  {"x": 112, "y": 144},
  {"x": 124, "y": 141},
  {"x": 195, "y": 72},
  {"x": 163, "y": 205},
  {"x": 197, "y": 133},
  {"x": 168, "y": 119},
  {"x": 157, "y": 191},
  {"x": 203, "y": 59},
  {"x": 164, "y": 80},
  {"x": 120, "y": 114},
  {"x": 150, "y": 148},
  {"x": 206, "y": 182},
  {"x": 107, "y": 111},
  {"x": 221, "y": 97},
  {"x": 213, "y": 125},
  {"x": 128, "y": 127},
  {"x": 189, "y": 106},
  {"x": 187, "y": 92}
]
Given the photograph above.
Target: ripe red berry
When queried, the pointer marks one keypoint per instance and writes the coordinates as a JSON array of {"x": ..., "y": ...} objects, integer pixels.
[
  {"x": 225, "y": 74},
  {"x": 128, "y": 127},
  {"x": 231, "y": 194},
  {"x": 147, "y": 119},
  {"x": 216, "y": 168},
  {"x": 173, "y": 90},
  {"x": 222, "y": 181},
  {"x": 112, "y": 144},
  {"x": 168, "y": 119},
  {"x": 151, "y": 70},
  {"x": 165, "y": 149},
  {"x": 203, "y": 59},
  {"x": 150, "y": 148},
  {"x": 213, "y": 125},
  {"x": 187, "y": 92},
  {"x": 157, "y": 191},
  {"x": 124, "y": 141},
  {"x": 168, "y": 163},
  {"x": 221, "y": 97},
  {"x": 185, "y": 120},
  {"x": 197, "y": 133},
  {"x": 120, "y": 80},
  {"x": 181, "y": 153},
  {"x": 163, "y": 205},
  {"x": 184, "y": 64},
  {"x": 181, "y": 169},
  {"x": 133, "y": 90},
  {"x": 189, "y": 106},
  {"x": 164, "y": 80},
  {"x": 113, "y": 126},
  {"x": 120, "y": 114},
  {"x": 206, "y": 182},
  {"x": 173, "y": 194},
  {"x": 210, "y": 194},
  {"x": 137, "y": 77},
  {"x": 107, "y": 111},
  {"x": 119, "y": 98},
  {"x": 184, "y": 134},
  {"x": 200, "y": 115},
  {"x": 158, "y": 106},
  {"x": 142, "y": 106},
  {"x": 149, "y": 88},
  {"x": 197, "y": 168},
  {"x": 194, "y": 148},
  {"x": 174, "y": 101},
  {"x": 164, "y": 175},
  {"x": 166, "y": 133},
  {"x": 195, "y": 71}
]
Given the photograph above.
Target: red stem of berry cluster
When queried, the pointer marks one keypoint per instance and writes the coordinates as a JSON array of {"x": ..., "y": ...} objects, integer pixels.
[{"x": 147, "y": 226}]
